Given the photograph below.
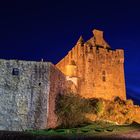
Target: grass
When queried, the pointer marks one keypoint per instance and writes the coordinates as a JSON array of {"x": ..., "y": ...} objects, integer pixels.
[{"x": 95, "y": 129}]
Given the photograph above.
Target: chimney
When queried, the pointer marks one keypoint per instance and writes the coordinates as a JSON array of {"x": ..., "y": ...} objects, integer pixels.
[
  {"x": 99, "y": 39},
  {"x": 98, "y": 34}
]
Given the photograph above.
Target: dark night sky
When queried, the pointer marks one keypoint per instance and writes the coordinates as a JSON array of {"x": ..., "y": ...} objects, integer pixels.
[{"x": 31, "y": 30}]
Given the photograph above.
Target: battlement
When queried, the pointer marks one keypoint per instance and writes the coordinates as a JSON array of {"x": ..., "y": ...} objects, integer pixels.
[
  {"x": 95, "y": 46},
  {"x": 85, "y": 50}
]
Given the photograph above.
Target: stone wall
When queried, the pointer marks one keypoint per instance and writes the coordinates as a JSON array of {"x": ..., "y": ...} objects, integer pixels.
[
  {"x": 100, "y": 69},
  {"x": 27, "y": 94},
  {"x": 58, "y": 85}
]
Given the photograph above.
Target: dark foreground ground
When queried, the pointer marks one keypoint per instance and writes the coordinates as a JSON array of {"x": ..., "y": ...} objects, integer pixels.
[
  {"x": 97, "y": 130},
  {"x": 24, "y": 136},
  {"x": 6, "y": 135}
]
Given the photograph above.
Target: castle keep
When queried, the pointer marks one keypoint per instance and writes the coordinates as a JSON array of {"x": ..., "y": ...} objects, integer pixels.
[
  {"x": 28, "y": 89},
  {"x": 96, "y": 69}
]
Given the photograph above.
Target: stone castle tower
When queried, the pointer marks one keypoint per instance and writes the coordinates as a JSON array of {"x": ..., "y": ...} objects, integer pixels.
[{"x": 96, "y": 69}]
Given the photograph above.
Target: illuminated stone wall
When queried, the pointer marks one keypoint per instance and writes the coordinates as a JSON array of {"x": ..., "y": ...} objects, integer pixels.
[
  {"x": 100, "y": 70},
  {"x": 27, "y": 94}
]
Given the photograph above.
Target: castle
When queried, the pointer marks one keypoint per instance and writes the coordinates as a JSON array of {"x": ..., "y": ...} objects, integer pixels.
[
  {"x": 28, "y": 89},
  {"x": 96, "y": 69}
]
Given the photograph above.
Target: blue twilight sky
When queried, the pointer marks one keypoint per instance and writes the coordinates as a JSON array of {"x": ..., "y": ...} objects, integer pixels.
[{"x": 35, "y": 29}]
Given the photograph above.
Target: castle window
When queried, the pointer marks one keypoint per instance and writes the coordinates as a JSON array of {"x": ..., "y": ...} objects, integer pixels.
[
  {"x": 103, "y": 76},
  {"x": 90, "y": 48},
  {"x": 103, "y": 72},
  {"x": 15, "y": 71},
  {"x": 104, "y": 79},
  {"x": 97, "y": 50},
  {"x": 89, "y": 60}
]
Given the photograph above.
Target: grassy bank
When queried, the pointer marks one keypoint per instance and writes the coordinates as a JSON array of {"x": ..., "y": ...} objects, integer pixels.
[{"x": 95, "y": 129}]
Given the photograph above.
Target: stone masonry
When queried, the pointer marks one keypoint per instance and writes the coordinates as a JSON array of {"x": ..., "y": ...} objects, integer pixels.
[
  {"x": 27, "y": 94},
  {"x": 99, "y": 70}
]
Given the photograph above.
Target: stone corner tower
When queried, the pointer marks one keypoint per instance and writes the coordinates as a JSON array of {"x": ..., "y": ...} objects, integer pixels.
[{"x": 98, "y": 69}]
